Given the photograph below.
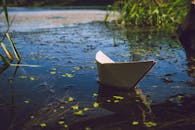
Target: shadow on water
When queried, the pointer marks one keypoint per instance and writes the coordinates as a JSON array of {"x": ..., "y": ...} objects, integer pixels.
[{"x": 133, "y": 110}]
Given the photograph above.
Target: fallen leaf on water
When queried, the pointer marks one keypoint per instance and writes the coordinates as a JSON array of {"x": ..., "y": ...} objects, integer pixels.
[
  {"x": 43, "y": 125},
  {"x": 135, "y": 123},
  {"x": 180, "y": 97},
  {"x": 65, "y": 126},
  {"x": 53, "y": 72},
  {"x": 78, "y": 113},
  {"x": 26, "y": 101},
  {"x": 67, "y": 75},
  {"x": 96, "y": 104},
  {"x": 75, "y": 107},
  {"x": 95, "y": 94},
  {"x": 70, "y": 99},
  {"x": 60, "y": 122},
  {"x": 118, "y": 97},
  {"x": 32, "y": 117},
  {"x": 108, "y": 100},
  {"x": 62, "y": 107},
  {"x": 85, "y": 109},
  {"x": 150, "y": 124},
  {"x": 22, "y": 77},
  {"x": 32, "y": 78},
  {"x": 116, "y": 101}
]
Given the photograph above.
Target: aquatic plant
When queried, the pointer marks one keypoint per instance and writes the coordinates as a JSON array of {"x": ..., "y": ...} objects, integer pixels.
[
  {"x": 6, "y": 35},
  {"x": 158, "y": 13}
]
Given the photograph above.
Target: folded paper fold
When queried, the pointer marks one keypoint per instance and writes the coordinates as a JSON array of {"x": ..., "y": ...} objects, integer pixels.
[{"x": 121, "y": 75}]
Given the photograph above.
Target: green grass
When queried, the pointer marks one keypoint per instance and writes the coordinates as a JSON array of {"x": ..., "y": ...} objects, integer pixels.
[{"x": 156, "y": 13}]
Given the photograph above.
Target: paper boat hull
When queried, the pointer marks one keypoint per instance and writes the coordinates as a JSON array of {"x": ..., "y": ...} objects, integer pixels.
[{"x": 122, "y": 75}]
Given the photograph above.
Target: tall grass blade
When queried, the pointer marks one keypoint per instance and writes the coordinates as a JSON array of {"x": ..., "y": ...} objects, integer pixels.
[
  {"x": 9, "y": 55},
  {"x": 13, "y": 47},
  {"x": 4, "y": 60},
  {"x": 25, "y": 65},
  {"x": 6, "y": 12},
  {"x": 5, "y": 66}
]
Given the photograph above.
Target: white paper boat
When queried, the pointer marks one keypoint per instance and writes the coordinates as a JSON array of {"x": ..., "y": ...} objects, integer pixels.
[{"x": 121, "y": 75}]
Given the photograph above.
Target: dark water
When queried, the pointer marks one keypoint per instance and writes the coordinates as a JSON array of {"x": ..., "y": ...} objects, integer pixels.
[{"x": 30, "y": 97}]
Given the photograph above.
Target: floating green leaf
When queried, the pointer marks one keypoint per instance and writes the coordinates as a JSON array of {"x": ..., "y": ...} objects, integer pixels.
[
  {"x": 67, "y": 75},
  {"x": 70, "y": 99},
  {"x": 22, "y": 77},
  {"x": 150, "y": 124},
  {"x": 85, "y": 109},
  {"x": 108, "y": 100},
  {"x": 75, "y": 107},
  {"x": 32, "y": 117},
  {"x": 61, "y": 122},
  {"x": 180, "y": 97},
  {"x": 116, "y": 101},
  {"x": 52, "y": 72},
  {"x": 26, "y": 101},
  {"x": 65, "y": 126},
  {"x": 118, "y": 97},
  {"x": 96, "y": 104},
  {"x": 62, "y": 107},
  {"x": 95, "y": 94},
  {"x": 135, "y": 123},
  {"x": 32, "y": 78},
  {"x": 78, "y": 113},
  {"x": 43, "y": 125}
]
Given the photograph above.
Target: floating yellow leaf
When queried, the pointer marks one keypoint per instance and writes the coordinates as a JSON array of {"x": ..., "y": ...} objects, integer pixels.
[
  {"x": 61, "y": 122},
  {"x": 118, "y": 97},
  {"x": 32, "y": 78},
  {"x": 26, "y": 101},
  {"x": 22, "y": 77},
  {"x": 157, "y": 55},
  {"x": 62, "y": 107},
  {"x": 70, "y": 99},
  {"x": 67, "y": 75},
  {"x": 116, "y": 101},
  {"x": 65, "y": 126},
  {"x": 108, "y": 100},
  {"x": 180, "y": 97},
  {"x": 150, "y": 124},
  {"x": 54, "y": 110},
  {"x": 75, "y": 107},
  {"x": 32, "y": 117},
  {"x": 135, "y": 123},
  {"x": 43, "y": 125},
  {"x": 96, "y": 104},
  {"x": 85, "y": 109},
  {"x": 53, "y": 72},
  {"x": 95, "y": 95},
  {"x": 78, "y": 113}
]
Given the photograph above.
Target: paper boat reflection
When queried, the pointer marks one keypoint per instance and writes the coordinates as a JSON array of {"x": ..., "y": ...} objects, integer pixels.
[{"x": 121, "y": 75}]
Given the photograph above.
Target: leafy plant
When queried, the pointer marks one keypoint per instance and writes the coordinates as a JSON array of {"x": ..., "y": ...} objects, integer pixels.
[{"x": 158, "y": 13}]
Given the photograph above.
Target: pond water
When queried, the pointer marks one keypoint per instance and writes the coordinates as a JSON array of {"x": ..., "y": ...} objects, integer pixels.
[{"x": 41, "y": 97}]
